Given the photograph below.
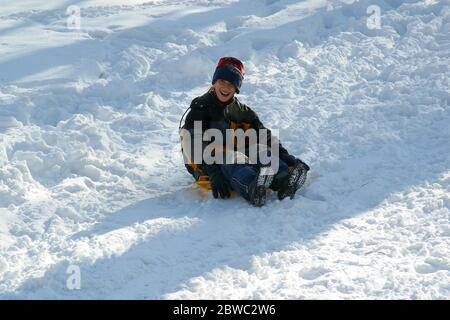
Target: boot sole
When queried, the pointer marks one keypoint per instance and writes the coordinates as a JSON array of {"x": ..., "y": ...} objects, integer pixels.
[
  {"x": 263, "y": 182},
  {"x": 296, "y": 180}
]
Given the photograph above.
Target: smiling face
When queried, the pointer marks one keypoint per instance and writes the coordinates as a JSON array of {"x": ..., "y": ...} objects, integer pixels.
[{"x": 224, "y": 90}]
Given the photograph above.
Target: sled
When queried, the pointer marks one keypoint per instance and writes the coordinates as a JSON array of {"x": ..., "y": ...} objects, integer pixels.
[{"x": 203, "y": 182}]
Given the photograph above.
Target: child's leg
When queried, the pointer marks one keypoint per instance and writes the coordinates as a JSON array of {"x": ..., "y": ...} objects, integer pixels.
[
  {"x": 240, "y": 176},
  {"x": 282, "y": 170},
  {"x": 281, "y": 176}
]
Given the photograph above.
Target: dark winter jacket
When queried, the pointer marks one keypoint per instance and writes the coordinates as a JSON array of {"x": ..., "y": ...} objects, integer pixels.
[{"x": 215, "y": 114}]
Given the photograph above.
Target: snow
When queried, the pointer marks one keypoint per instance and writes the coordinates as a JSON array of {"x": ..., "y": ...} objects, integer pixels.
[{"x": 91, "y": 172}]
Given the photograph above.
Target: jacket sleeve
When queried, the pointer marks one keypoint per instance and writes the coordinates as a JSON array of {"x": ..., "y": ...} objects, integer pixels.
[
  {"x": 240, "y": 112},
  {"x": 198, "y": 112},
  {"x": 283, "y": 153}
]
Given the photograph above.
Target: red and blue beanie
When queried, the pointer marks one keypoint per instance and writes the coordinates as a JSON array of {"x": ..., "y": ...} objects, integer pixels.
[{"x": 230, "y": 69}]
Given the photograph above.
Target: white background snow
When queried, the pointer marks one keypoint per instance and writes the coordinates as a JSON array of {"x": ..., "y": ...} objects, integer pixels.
[{"x": 91, "y": 173}]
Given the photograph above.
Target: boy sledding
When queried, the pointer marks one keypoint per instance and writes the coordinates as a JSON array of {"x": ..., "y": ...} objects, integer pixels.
[{"x": 225, "y": 143}]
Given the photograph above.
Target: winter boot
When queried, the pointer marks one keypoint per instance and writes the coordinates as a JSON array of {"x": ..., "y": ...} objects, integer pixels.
[
  {"x": 259, "y": 186},
  {"x": 296, "y": 179}
]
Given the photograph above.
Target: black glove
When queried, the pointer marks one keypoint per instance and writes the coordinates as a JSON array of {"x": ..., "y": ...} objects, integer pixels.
[
  {"x": 219, "y": 184},
  {"x": 304, "y": 165},
  {"x": 292, "y": 161}
]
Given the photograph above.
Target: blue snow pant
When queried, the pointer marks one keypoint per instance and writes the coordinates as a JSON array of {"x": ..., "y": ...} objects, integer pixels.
[{"x": 240, "y": 176}]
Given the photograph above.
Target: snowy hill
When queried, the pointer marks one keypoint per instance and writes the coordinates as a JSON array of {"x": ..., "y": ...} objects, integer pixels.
[{"x": 91, "y": 173}]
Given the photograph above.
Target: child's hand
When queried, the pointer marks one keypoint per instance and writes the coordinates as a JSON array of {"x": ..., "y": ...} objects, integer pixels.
[{"x": 219, "y": 185}]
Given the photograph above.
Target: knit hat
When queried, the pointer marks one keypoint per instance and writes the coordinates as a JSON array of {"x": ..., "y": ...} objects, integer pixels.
[{"x": 230, "y": 69}]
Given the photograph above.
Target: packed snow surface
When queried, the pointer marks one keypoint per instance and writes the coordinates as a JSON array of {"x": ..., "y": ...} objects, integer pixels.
[{"x": 91, "y": 174}]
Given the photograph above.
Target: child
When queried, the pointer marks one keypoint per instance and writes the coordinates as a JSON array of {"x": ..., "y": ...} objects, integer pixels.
[{"x": 220, "y": 109}]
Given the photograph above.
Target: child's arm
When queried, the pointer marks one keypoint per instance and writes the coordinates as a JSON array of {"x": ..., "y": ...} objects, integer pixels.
[
  {"x": 284, "y": 155},
  {"x": 199, "y": 112},
  {"x": 241, "y": 113},
  {"x": 219, "y": 184}
]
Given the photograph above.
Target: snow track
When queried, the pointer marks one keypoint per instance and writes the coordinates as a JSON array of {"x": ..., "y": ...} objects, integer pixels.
[{"x": 91, "y": 171}]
